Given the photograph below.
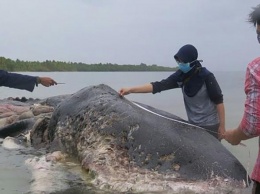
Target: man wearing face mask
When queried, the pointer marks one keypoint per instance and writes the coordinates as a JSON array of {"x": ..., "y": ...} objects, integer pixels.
[
  {"x": 202, "y": 95},
  {"x": 249, "y": 126}
]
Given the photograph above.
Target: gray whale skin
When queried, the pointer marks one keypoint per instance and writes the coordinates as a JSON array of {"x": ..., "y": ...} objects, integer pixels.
[
  {"x": 105, "y": 131},
  {"x": 146, "y": 139}
]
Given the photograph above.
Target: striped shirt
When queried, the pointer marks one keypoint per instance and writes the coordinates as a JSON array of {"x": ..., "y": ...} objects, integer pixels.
[{"x": 250, "y": 123}]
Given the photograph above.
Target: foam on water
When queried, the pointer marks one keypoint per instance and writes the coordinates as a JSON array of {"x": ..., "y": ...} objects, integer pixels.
[
  {"x": 46, "y": 176},
  {"x": 12, "y": 144}
]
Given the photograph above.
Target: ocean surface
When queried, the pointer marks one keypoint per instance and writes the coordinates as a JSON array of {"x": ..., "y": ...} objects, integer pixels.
[{"x": 15, "y": 176}]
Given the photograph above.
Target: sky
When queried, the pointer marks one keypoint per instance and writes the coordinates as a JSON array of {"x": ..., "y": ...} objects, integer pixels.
[{"x": 129, "y": 31}]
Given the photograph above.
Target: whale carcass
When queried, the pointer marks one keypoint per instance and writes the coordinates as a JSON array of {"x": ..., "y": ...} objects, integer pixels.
[{"x": 127, "y": 148}]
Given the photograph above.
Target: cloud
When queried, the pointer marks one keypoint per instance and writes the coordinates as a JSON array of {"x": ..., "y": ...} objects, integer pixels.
[{"x": 128, "y": 31}]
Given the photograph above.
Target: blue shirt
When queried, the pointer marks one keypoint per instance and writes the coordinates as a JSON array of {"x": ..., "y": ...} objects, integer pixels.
[{"x": 18, "y": 81}]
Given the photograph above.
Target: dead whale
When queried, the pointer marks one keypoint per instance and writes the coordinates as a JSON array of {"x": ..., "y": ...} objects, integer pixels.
[
  {"x": 125, "y": 146},
  {"x": 128, "y": 148}
]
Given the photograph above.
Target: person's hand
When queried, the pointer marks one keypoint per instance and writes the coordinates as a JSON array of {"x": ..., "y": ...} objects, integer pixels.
[
  {"x": 221, "y": 132},
  {"x": 124, "y": 91},
  {"x": 231, "y": 137},
  {"x": 47, "y": 81}
]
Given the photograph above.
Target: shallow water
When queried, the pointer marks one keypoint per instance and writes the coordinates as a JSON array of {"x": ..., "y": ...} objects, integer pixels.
[
  {"x": 18, "y": 176},
  {"x": 15, "y": 176}
]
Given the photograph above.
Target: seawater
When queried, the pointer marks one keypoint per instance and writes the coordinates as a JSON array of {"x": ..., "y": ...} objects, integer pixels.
[{"x": 15, "y": 176}]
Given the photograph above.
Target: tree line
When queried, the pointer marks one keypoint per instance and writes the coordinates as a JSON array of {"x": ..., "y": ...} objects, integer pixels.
[{"x": 47, "y": 66}]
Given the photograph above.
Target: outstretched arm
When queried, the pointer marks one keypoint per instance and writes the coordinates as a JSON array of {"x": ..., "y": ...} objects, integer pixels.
[
  {"x": 146, "y": 88},
  {"x": 23, "y": 82}
]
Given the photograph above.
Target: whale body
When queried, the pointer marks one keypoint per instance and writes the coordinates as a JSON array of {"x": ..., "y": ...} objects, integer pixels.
[
  {"x": 129, "y": 146},
  {"x": 110, "y": 134}
]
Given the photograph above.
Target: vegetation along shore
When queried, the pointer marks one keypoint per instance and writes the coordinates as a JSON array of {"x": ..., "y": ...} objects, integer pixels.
[{"x": 48, "y": 66}]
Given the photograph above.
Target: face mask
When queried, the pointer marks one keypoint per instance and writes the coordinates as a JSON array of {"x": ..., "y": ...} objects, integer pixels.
[{"x": 185, "y": 67}]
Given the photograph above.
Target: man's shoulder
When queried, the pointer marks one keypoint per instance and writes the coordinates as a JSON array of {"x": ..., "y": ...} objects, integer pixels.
[
  {"x": 253, "y": 67},
  {"x": 256, "y": 61}
]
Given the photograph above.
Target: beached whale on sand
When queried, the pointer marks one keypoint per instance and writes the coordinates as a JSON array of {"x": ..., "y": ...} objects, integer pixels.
[{"x": 134, "y": 147}]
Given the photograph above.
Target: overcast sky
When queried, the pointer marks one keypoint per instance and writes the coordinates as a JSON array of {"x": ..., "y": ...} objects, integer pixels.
[{"x": 128, "y": 31}]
